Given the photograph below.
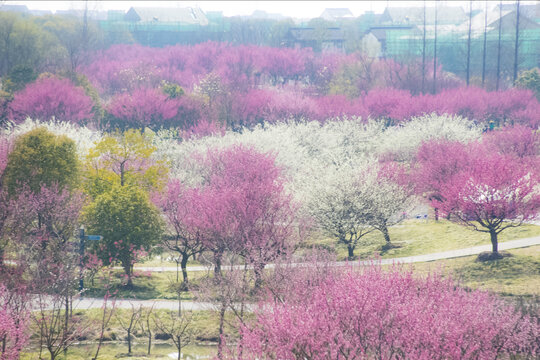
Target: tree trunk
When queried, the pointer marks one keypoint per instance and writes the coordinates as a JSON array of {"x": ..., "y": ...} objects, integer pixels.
[
  {"x": 178, "y": 338},
  {"x": 127, "y": 270},
  {"x": 217, "y": 264},
  {"x": 183, "y": 265},
  {"x": 149, "y": 336},
  {"x": 494, "y": 242},
  {"x": 350, "y": 249},
  {"x": 258, "y": 271},
  {"x": 221, "y": 326},
  {"x": 129, "y": 340},
  {"x": 384, "y": 230},
  {"x": 436, "y": 210}
]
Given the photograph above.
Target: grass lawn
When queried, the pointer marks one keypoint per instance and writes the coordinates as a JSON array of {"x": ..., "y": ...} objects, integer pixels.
[
  {"x": 415, "y": 237},
  {"x": 518, "y": 275},
  {"x": 146, "y": 286},
  {"x": 418, "y": 237},
  {"x": 204, "y": 324}
]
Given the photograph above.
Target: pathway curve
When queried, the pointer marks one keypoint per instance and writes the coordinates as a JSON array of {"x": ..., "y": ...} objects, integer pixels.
[
  {"x": 513, "y": 244},
  {"x": 88, "y": 303}
]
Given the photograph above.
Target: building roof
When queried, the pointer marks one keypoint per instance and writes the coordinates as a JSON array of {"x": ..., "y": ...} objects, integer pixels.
[
  {"x": 415, "y": 15},
  {"x": 509, "y": 23},
  {"x": 188, "y": 15},
  {"x": 532, "y": 11},
  {"x": 312, "y": 34},
  {"x": 336, "y": 13},
  {"x": 14, "y": 8},
  {"x": 261, "y": 14},
  {"x": 380, "y": 32}
]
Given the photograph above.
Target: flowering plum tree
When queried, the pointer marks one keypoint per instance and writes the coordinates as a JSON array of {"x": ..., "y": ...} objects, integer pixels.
[
  {"x": 519, "y": 141},
  {"x": 243, "y": 207},
  {"x": 176, "y": 205},
  {"x": 144, "y": 107},
  {"x": 376, "y": 313},
  {"x": 52, "y": 97},
  {"x": 437, "y": 162},
  {"x": 492, "y": 192},
  {"x": 340, "y": 206},
  {"x": 14, "y": 321},
  {"x": 389, "y": 197}
]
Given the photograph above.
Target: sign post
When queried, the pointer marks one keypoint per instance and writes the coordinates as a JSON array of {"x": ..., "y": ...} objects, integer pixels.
[{"x": 82, "y": 239}]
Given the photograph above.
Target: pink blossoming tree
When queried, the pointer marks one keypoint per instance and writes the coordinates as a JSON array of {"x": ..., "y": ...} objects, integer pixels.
[
  {"x": 142, "y": 108},
  {"x": 490, "y": 193},
  {"x": 52, "y": 97},
  {"x": 375, "y": 313}
]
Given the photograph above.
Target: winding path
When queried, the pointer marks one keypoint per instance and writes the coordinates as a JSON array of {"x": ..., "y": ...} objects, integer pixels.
[
  {"x": 88, "y": 303},
  {"x": 513, "y": 244}
]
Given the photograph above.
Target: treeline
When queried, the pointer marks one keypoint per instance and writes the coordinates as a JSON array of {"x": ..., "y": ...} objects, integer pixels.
[{"x": 214, "y": 86}]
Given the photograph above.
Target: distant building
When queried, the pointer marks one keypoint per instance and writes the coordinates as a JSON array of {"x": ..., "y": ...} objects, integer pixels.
[
  {"x": 532, "y": 11},
  {"x": 371, "y": 46},
  {"x": 261, "y": 14},
  {"x": 166, "y": 16},
  {"x": 14, "y": 8},
  {"x": 446, "y": 15},
  {"x": 79, "y": 13},
  {"x": 165, "y": 26},
  {"x": 325, "y": 40},
  {"x": 394, "y": 40},
  {"x": 336, "y": 14}
]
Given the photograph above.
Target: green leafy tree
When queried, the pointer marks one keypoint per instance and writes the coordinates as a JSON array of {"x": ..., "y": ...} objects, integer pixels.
[
  {"x": 530, "y": 79},
  {"x": 129, "y": 223},
  {"x": 124, "y": 159},
  {"x": 172, "y": 90},
  {"x": 18, "y": 77},
  {"x": 40, "y": 157},
  {"x": 21, "y": 42}
]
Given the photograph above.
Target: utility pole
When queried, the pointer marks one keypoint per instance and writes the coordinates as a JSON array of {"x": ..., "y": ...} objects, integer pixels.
[
  {"x": 82, "y": 239},
  {"x": 424, "y": 53},
  {"x": 435, "y": 54},
  {"x": 469, "y": 44},
  {"x": 516, "y": 47},
  {"x": 485, "y": 45},
  {"x": 499, "y": 47}
]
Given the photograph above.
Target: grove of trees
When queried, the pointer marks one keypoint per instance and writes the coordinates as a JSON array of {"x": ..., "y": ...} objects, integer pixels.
[{"x": 237, "y": 155}]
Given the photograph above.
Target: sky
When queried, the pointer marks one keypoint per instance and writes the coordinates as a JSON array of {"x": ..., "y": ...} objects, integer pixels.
[{"x": 297, "y": 9}]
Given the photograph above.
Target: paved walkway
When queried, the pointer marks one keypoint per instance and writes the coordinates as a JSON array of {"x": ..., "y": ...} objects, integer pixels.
[
  {"x": 513, "y": 244},
  {"x": 90, "y": 303},
  {"x": 87, "y": 303}
]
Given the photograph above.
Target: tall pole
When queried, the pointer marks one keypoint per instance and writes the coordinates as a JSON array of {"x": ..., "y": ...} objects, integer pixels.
[
  {"x": 81, "y": 260},
  {"x": 435, "y": 54},
  {"x": 485, "y": 46},
  {"x": 516, "y": 47},
  {"x": 469, "y": 44},
  {"x": 499, "y": 48},
  {"x": 424, "y": 53}
]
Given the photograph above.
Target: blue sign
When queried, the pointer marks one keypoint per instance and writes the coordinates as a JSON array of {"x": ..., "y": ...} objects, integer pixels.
[{"x": 94, "y": 237}]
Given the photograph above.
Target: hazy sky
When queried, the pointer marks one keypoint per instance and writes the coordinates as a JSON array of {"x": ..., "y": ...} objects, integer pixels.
[{"x": 298, "y": 9}]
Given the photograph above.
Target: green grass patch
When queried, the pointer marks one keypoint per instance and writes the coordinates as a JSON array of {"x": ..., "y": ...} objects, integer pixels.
[
  {"x": 418, "y": 237},
  {"x": 146, "y": 286},
  {"x": 204, "y": 323},
  {"x": 518, "y": 275}
]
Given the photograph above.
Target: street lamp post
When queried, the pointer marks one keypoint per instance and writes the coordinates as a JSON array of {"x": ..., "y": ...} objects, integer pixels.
[{"x": 82, "y": 239}]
